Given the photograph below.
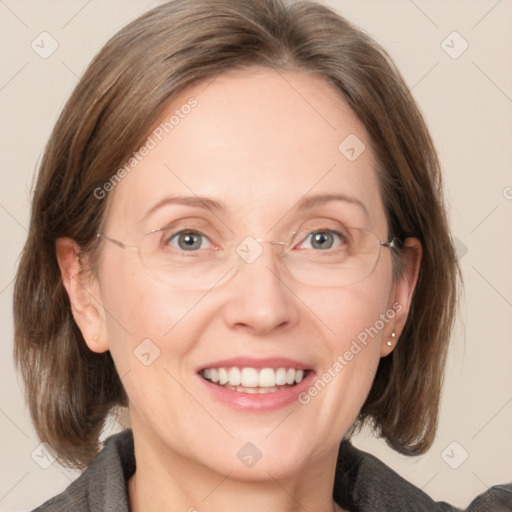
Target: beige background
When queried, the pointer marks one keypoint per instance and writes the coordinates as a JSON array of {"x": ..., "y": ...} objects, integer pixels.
[{"x": 467, "y": 102}]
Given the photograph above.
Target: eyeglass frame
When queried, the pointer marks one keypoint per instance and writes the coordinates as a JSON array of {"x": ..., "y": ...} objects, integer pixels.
[{"x": 392, "y": 243}]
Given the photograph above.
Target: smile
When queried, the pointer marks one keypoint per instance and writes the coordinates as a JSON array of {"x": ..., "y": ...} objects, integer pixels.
[{"x": 254, "y": 380}]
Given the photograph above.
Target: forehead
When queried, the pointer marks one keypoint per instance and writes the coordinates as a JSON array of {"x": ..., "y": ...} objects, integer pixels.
[{"x": 257, "y": 141}]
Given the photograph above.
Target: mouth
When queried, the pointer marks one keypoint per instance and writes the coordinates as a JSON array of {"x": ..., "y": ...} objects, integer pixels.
[
  {"x": 252, "y": 384},
  {"x": 252, "y": 380}
]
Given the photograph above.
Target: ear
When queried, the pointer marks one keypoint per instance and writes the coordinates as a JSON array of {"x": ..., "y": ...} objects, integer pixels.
[
  {"x": 83, "y": 292},
  {"x": 402, "y": 296}
]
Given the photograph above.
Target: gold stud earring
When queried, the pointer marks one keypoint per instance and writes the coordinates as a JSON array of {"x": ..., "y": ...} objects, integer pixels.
[
  {"x": 95, "y": 338},
  {"x": 389, "y": 343}
]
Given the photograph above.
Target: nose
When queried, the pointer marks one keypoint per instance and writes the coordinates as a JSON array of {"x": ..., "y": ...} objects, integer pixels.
[{"x": 260, "y": 300}]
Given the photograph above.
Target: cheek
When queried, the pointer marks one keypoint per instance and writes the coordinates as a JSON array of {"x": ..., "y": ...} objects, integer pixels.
[
  {"x": 358, "y": 313},
  {"x": 357, "y": 321},
  {"x": 354, "y": 319},
  {"x": 151, "y": 333},
  {"x": 144, "y": 316}
]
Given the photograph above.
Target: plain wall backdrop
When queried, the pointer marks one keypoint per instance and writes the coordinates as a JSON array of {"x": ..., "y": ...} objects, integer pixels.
[{"x": 455, "y": 56}]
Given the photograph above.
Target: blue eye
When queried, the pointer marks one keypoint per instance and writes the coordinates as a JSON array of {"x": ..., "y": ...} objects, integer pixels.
[
  {"x": 322, "y": 239},
  {"x": 188, "y": 240}
]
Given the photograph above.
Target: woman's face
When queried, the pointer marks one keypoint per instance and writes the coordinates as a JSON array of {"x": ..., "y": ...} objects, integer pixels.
[{"x": 257, "y": 143}]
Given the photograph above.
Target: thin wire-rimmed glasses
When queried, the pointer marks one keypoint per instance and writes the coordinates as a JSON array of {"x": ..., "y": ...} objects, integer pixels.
[{"x": 193, "y": 267}]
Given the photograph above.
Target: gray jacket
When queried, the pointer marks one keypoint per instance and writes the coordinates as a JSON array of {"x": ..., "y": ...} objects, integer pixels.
[{"x": 362, "y": 484}]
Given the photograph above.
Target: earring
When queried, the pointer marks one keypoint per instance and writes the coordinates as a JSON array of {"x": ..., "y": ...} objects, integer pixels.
[
  {"x": 95, "y": 338},
  {"x": 389, "y": 343}
]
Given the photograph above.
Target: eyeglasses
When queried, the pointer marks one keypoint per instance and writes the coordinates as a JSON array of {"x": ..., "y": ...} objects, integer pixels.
[{"x": 182, "y": 259}]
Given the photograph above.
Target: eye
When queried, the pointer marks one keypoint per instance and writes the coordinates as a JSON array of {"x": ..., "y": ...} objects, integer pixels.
[
  {"x": 188, "y": 240},
  {"x": 322, "y": 239}
]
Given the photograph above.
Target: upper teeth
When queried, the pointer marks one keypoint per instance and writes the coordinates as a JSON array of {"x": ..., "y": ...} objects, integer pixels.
[{"x": 252, "y": 377}]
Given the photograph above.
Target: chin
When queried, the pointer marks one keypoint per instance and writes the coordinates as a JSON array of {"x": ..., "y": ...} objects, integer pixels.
[{"x": 254, "y": 458}]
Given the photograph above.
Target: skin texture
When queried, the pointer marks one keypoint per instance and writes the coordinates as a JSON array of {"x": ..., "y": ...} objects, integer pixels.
[{"x": 258, "y": 141}]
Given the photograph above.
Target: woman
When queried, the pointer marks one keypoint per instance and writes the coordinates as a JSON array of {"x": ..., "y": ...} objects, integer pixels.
[{"x": 235, "y": 231}]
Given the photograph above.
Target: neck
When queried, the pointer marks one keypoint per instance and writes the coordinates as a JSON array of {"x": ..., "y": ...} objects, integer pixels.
[{"x": 164, "y": 480}]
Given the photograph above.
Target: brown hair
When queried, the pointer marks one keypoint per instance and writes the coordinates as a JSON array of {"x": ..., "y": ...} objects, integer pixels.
[{"x": 70, "y": 390}]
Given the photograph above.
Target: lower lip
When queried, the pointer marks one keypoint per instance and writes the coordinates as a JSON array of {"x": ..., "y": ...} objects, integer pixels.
[{"x": 258, "y": 401}]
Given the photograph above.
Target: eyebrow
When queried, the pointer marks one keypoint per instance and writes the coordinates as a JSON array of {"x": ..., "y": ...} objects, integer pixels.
[
  {"x": 207, "y": 203},
  {"x": 311, "y": 201}
]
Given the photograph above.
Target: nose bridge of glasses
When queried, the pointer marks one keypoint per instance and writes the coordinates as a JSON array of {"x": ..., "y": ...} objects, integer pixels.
[
  {"x": 251, "y": 249},
  {"x": 271, "y": 242}
]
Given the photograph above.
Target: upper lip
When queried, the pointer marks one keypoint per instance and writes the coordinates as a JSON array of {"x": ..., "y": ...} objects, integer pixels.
[{"x": 251, "y": 362}]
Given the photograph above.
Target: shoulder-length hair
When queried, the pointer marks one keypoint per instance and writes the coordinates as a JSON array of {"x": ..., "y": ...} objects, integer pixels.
[{"x": 71, "y": 390}]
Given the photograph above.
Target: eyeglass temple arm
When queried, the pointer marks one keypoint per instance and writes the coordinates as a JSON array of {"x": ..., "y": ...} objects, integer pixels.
[
  {"x": 394, "y": 243},
  {"x": 116, "y": 242}
]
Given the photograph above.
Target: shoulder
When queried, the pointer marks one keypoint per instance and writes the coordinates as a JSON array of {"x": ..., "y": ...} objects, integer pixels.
[
  {"x": 495, "y": 499},
  {"x": 366, "y": 484},
  {"x": 103, "y": 485}
]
